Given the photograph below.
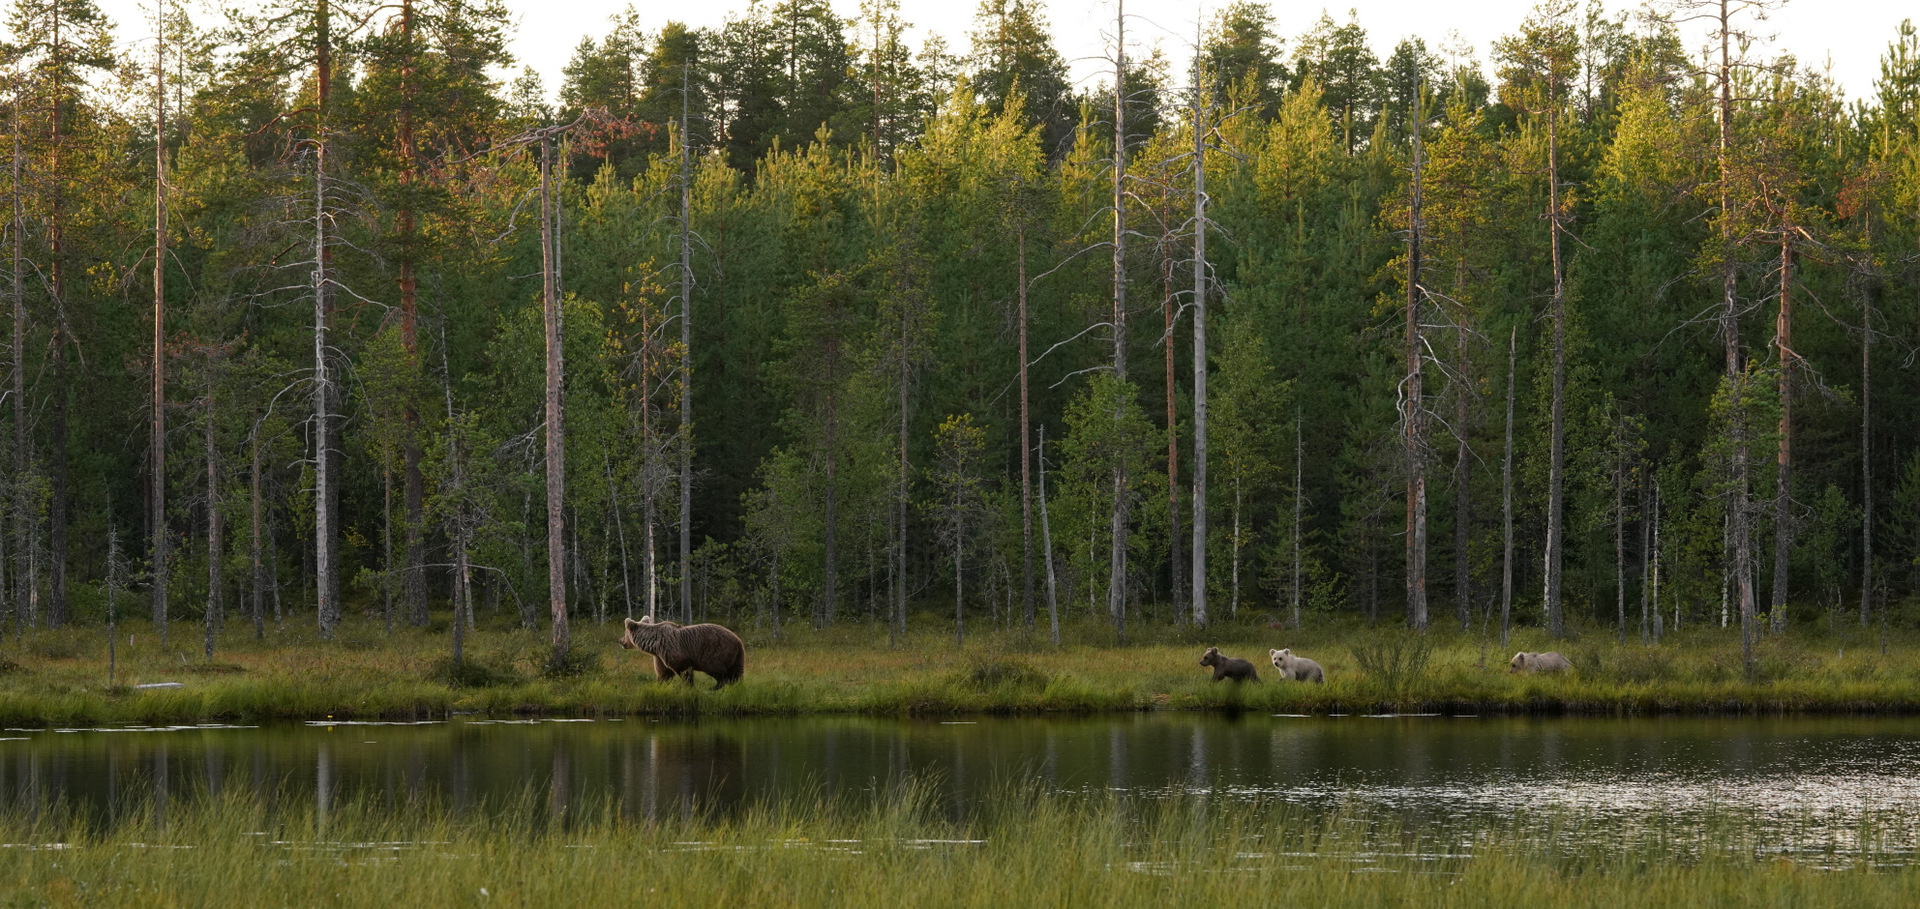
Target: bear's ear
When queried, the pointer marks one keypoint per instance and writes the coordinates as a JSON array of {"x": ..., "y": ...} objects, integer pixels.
[
  {"x": 631, "y": 623},
  {"x": 1272, "y": 653}
]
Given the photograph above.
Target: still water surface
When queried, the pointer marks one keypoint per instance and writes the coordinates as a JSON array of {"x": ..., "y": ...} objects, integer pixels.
[{"x": 1824, "y": 782}]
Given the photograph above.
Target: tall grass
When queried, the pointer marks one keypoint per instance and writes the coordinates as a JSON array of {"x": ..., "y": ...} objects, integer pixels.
[
  {"x": 60, "y": 675},
  {"x": 1024, "y": 848}
]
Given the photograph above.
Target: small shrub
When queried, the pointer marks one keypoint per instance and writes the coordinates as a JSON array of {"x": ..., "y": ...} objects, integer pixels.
[
  {"x": 1639, "y": 664},
  {"x": 991, "y": 670},
  {"x": 469, "y": 674},
  {"x": 1396, "y": 659},
  {"x": 575, "y": 663},
  {"x": 53, "y": 646}
]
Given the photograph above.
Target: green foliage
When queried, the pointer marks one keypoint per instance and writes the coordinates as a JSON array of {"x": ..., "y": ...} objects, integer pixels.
[{"x": 1398, "y": 659}]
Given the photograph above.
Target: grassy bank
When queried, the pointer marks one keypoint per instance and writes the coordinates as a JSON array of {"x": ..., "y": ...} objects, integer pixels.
[
  {"x": 60, "y": 677},
  {"x": 1020, "y": 848}
]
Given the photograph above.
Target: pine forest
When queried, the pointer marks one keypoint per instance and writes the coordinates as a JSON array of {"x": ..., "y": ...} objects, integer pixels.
[{"x": 328, "y": 310}]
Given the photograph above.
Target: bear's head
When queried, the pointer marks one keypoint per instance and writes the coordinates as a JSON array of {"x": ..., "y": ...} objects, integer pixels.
[
  {"x": 626, "y": 640},
  {"x": 1520, "y": 661},
  {"x": 1280, "y": 657},
  {"x": 1211, "y": 657}
]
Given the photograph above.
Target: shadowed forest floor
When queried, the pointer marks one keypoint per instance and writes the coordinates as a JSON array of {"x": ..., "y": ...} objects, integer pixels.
[{"x": 60, "y": 677}]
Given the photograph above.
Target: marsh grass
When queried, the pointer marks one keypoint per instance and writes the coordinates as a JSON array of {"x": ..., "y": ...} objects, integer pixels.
[
  {"x": 60, "y": 675},
  {"x": 1022, "y": 847}
]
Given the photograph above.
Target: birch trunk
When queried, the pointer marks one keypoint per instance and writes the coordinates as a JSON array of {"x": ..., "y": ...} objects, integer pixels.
[{"x": 326, "y": 586}]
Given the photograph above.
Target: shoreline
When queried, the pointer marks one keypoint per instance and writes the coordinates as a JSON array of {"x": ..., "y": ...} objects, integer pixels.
[{"x": 58, "y": 678}]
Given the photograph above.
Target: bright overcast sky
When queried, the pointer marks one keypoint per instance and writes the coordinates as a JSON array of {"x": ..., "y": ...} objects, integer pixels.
[{"x": 1847, "y": 35}]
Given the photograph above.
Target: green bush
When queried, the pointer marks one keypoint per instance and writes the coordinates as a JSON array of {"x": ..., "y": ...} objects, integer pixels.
[{"x": 1395, "y": 659}]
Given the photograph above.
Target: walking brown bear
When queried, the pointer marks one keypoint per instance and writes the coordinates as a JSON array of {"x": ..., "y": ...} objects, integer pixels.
[
  {"x": 683, "y": 650},
  {"x": 1226, "y": 667}
]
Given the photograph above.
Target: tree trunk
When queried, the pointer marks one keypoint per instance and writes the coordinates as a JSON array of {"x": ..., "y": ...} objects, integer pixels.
[
  {"x": 1414, "y": 415},
  {"x": 830, "y": 537},
  {"x": 1046, "y": 542},
  {"x": 1866, "y": 459},
  {"x": 57, "y": 401},
  {"x": 215, "y": 545},
  {"x": 257, "y": 579},
  {"x": 157, "y": 413},
  {"x": 556, "y": 429},
  {"x": 686, "y": 356},
  {"x": 415, "y": 493},
  {"x": 1783, "y": 496},
  {"x": 1620, "y": 537},
  {"x": 1117, "y": 530},
  {"x": 22, "y": 539},
  {"x": 1655, "y": 599},
  {"x": 1462, "y": 484},
  {"x": 1738, "y": 527},
  {"x": 1557, "y": 469},
  {"x": 1299, "y": 503},
  {"x": 326, "y": 584},
  {"x": 959, "y": 589},
  {"x": 1199, "y": 569},
  {"x": 1233, "y": 603},
  {"x": 1506, "y": 502},
  {"x": 1026, "y": 431},
  {"x": 1176, "y": 565}
]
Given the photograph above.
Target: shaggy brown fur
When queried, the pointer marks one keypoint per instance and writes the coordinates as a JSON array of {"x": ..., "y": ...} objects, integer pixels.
[
  {"x": 683, "y": 650},
  {"x": 1226, "y": 667}
]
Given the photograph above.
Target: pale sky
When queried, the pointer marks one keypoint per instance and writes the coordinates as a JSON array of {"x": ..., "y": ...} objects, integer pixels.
[{"x": 1847, "y": 36}]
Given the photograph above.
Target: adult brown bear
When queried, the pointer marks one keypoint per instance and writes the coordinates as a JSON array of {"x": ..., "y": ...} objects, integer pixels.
[{"x": 683, "y": 650}]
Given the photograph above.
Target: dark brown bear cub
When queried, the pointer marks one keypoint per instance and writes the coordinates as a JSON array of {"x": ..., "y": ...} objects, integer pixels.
[
  {"x": 682, "y": 651},
  {"x": 1226, "y": 667}
]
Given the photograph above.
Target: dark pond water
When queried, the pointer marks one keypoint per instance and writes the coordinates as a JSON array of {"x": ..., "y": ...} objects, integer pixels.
[{"x": 1824, "y": 779}]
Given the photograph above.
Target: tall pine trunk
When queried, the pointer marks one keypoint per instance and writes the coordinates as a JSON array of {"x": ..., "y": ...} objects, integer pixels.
[
  {"x": 1198, "y": 574},
  {"x": 556, "y": 428},
  {"x": 1739, "y": 532},
  {"x": 1117, "y": 529},
  {"x": 1866, "y": 459},
  {"x": 1557, "y": 457},
  {"x": 1506, "y": 502},
  {"x": 1414, "y": 414},
  {"x": 216, "y": 580},
  {"x": 415, "y": 482},
  {"x": 1046, "y": 542},
  {"x": 1026, "y": 432},
  {"x": 686, "y": 354},
  {"x": 157, "y": 413},
  {"x": 1783, "y": 496},
  {"x": 1176, "y": 566}
]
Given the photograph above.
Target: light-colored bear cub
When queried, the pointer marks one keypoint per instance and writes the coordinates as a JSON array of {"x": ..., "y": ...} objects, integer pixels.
[
  {"x": 1297, "y": 668},
  {"x": 1551, "y": 661}
]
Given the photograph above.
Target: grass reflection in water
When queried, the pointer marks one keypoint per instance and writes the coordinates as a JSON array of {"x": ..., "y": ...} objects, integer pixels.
[{"x": 1022, "y": 846}]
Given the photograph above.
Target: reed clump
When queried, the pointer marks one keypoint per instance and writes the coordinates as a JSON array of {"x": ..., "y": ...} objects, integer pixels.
[{"x": 906, "y": 846}]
